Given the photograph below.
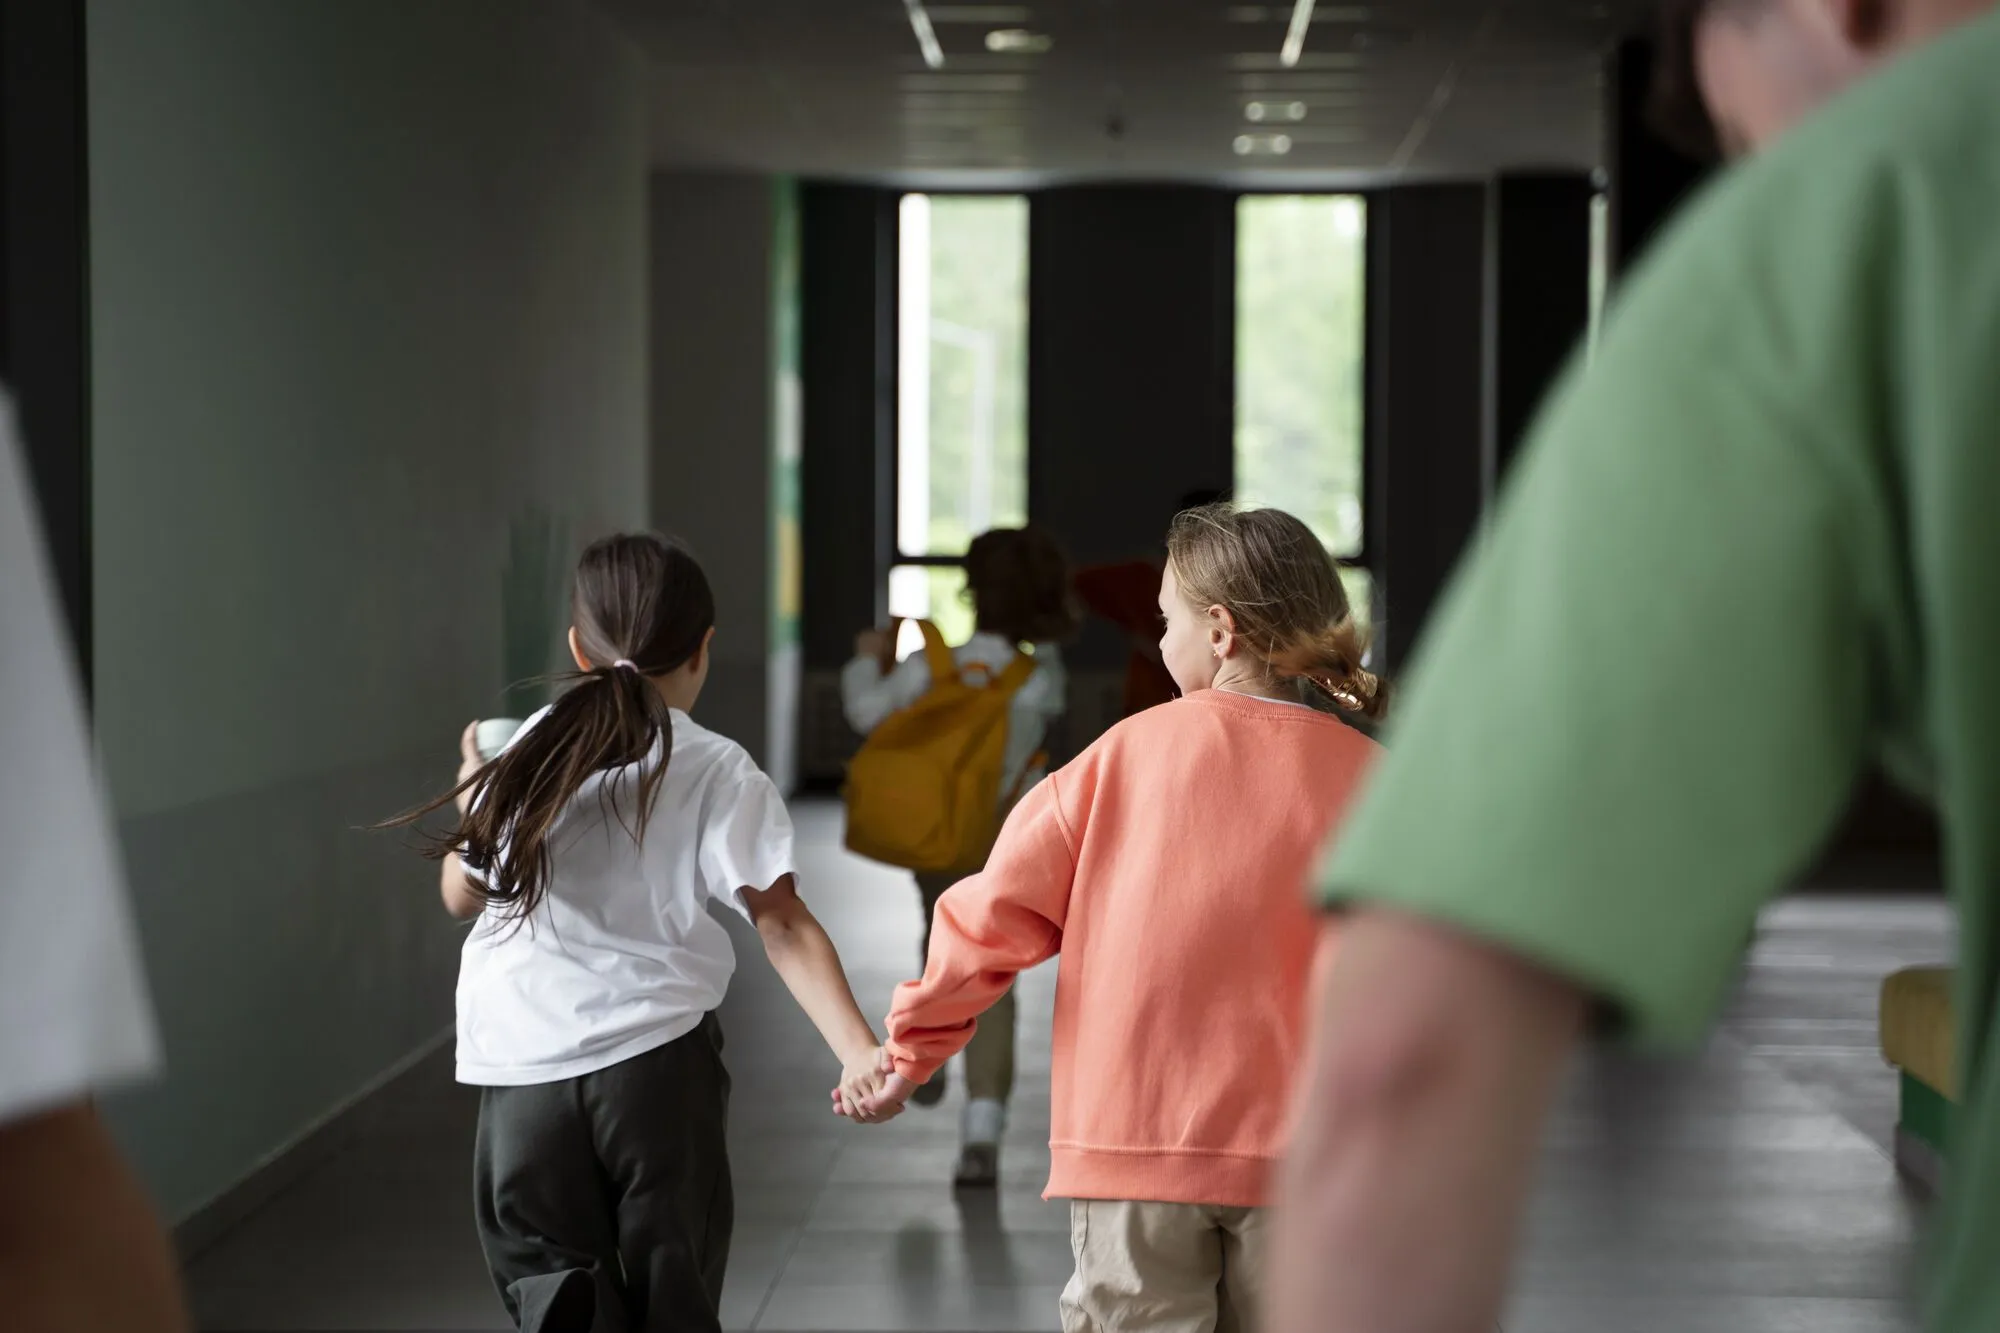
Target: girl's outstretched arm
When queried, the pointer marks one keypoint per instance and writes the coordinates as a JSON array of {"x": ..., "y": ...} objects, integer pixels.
[
  {"x": 805, "y": 959},
  {"x": 985, "y": 932}
]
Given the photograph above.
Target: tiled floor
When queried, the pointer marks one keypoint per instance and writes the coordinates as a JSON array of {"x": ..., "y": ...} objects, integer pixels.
[{"x": 1748, "y": 1192}]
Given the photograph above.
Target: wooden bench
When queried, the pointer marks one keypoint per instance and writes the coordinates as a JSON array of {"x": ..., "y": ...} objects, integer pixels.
[{"x": 1918, "y": 1041}]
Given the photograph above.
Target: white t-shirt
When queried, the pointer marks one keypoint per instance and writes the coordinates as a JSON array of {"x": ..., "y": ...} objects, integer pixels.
[
  {"x": 622, "y": 956},
  {"x": 867, "y": 696},
  {"x": 73, "y": 1011}
]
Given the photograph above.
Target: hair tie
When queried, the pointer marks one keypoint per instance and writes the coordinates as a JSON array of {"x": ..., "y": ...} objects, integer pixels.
[{"x": 625, "y": 664}]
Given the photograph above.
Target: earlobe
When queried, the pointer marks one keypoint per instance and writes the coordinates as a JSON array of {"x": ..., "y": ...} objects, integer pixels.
[{"x": 1222, "y": 631}]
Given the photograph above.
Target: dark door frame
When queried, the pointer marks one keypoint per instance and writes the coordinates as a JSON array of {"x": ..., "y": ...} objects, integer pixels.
[{"x": 45, "y": 279}]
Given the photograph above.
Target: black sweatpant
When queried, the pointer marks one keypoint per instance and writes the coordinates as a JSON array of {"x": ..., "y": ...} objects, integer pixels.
[{"x": 604, "y": 1201}]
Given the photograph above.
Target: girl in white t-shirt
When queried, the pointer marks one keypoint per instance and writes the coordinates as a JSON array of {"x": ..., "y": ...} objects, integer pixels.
[
  {"x": 589, "y": 852},
  {"x": 1019, "y": 584}
]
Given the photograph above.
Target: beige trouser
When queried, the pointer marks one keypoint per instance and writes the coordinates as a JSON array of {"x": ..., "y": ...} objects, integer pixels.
[
  {"x": 1163, "y": 1268},
  {"x": 989, "y": 1060}
]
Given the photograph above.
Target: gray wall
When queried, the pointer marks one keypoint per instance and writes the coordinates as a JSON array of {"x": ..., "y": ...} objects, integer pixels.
[
  {"x": 1131, "y": 369},
  {"x": 715, "y": 364},
  {"x": 368, "y": 279}
]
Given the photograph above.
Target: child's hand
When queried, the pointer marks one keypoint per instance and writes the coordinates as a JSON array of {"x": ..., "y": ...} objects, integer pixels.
[
  {"x": 861, "y": 1086},
  {"x": 878, "y": 646},
  {"x": 896, "y": 1093}
]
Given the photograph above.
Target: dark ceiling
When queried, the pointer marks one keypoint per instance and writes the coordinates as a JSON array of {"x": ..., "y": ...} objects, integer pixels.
[{"x": 1126, "y": 88}]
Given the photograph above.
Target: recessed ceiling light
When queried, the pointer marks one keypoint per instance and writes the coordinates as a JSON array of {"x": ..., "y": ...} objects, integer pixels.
[
  {"x": 1262, "y": 145},
  {"x": 1018, "y": 41},
  {"x": 1260, "y": 112}
]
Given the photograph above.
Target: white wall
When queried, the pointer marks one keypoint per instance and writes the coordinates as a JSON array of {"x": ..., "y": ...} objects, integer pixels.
[{"x": 368, "y": 279}]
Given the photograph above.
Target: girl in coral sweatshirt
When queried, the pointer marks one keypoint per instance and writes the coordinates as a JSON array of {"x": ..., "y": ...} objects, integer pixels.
[{"x": 1167, "y": 865}]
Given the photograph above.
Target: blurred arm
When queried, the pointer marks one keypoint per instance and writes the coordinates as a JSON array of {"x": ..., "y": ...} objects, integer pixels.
[
  {"x": 461, "y": 899},
  {"x": 1433, "y": 1064},
  {"x": 868, "y": 694},
  {"x": 80, "y": 1248}
]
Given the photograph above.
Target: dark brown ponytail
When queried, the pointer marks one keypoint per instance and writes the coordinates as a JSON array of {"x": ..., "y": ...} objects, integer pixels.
[{"x": 643, "y": 604}]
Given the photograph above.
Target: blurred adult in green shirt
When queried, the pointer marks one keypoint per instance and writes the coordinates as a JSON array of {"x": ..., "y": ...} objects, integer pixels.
[{"x": 1754, "y": 549}]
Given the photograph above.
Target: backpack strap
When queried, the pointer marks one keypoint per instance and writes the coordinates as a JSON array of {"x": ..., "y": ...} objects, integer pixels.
[
  {"x": 1038, "y": 760},
  {"x": 1016, "y": 675},
  {"x": 944, "y": 666}
]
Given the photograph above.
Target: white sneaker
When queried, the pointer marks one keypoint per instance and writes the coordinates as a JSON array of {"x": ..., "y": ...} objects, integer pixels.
[{"x": 984, "y": 1122}]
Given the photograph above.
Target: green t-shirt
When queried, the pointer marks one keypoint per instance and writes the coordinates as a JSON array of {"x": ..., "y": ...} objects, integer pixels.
[{"x": 1753, "y": 548}]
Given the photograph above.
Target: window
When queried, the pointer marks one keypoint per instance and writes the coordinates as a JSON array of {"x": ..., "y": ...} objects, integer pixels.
[
  {"x": 962, "y": 422},
  {"x": 1360, "y": 585},
  {"x": 1300, "y": 279}
]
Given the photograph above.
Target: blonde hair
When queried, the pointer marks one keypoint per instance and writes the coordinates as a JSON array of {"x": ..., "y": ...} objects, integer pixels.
[{"x": 1281, "y": 588}]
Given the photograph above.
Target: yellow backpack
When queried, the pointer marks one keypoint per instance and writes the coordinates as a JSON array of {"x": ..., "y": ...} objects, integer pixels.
[{"x": 924, "y": 791}]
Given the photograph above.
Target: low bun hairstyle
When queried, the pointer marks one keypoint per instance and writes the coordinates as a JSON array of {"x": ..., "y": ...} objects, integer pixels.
[{"x": 1282, "y": 589}]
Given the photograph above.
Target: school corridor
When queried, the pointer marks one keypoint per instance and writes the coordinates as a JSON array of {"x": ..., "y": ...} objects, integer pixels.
[
  {"x": 1749, "y": 1191},
  {"x": 335, "y": 329}
]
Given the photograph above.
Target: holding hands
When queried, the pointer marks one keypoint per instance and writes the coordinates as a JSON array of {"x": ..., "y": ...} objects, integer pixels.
[{"x": 871, "y": 1091}]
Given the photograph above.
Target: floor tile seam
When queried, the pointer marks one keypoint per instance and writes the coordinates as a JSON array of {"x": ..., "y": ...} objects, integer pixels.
[{"x": 798, "y": 1239}]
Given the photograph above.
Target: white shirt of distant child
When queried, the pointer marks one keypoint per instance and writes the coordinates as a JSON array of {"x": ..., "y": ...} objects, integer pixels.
[
  {"x": 868, "y": 695},
  {"x": 623, "y": 956}
]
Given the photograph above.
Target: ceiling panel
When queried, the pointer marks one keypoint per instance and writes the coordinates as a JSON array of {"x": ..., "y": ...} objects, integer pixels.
[{"x": 1127, "y": 88}]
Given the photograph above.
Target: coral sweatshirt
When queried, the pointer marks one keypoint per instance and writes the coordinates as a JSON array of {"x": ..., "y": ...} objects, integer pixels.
[{"x": 1168, "y": 866}]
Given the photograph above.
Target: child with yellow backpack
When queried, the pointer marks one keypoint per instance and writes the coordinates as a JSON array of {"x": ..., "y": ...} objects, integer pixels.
[{"x": 955, "y": 738}]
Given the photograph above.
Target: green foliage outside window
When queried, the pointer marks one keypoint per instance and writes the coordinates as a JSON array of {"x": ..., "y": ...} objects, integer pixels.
[{"x": 1300, "y": 279}]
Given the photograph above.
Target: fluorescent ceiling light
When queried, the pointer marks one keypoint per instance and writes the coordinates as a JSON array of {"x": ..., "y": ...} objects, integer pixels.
[
  {"x": 927, "y": 42},
  {"x": 1283, "y": 111},
  {"x": 1295, "y": 36},
  {"x": 1262, "y": 145},
  {"x": 1018, "y": 41}
]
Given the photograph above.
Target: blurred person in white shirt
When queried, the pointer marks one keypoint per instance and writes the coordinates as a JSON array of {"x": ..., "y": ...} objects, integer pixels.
[{"x": 81, "y": 1250}]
